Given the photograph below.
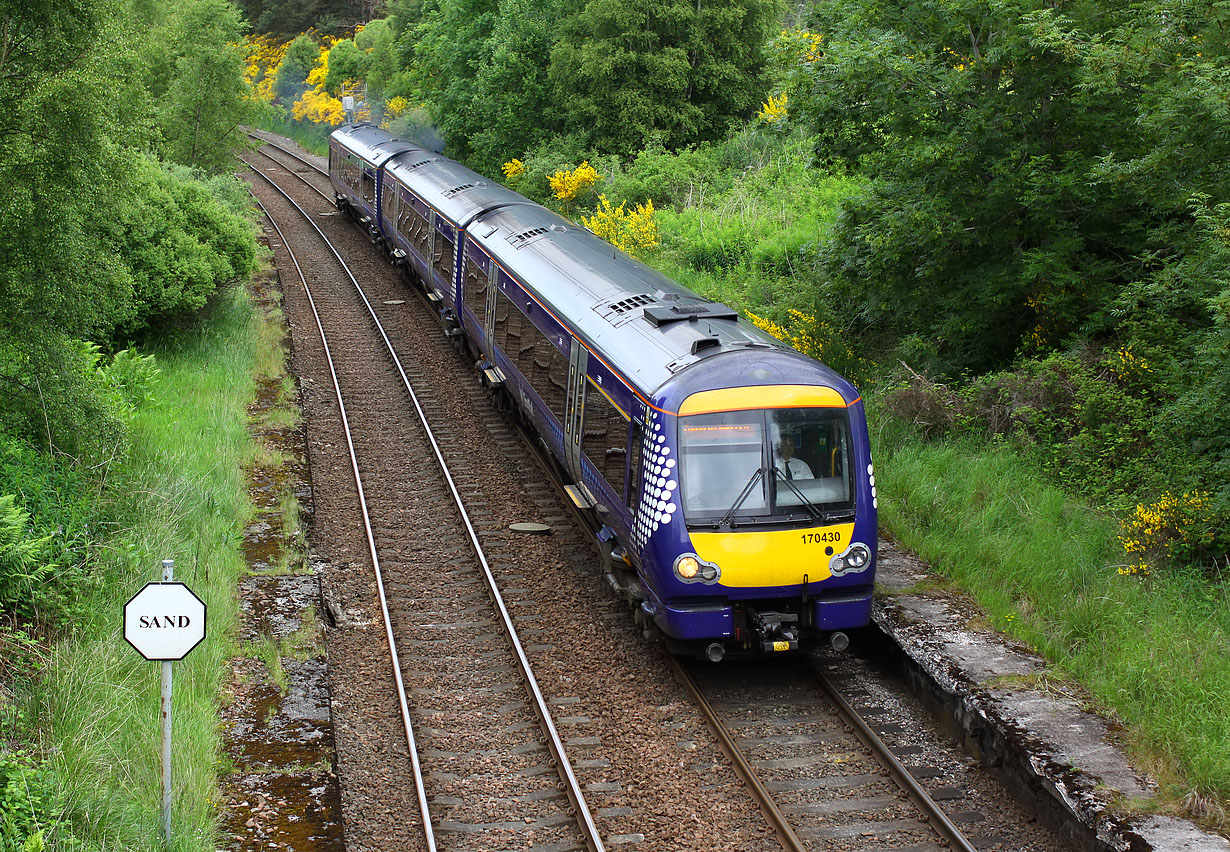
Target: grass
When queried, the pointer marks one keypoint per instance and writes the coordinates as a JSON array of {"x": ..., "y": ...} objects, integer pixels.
[
  {"x": 185, "y": 499},
  {"x": 1154, "y": 651}
]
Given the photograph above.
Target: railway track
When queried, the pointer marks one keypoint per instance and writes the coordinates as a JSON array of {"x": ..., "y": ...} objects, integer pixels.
[
  {"x": 471, "y": 746},
  {"x": 481, "y": 732}
]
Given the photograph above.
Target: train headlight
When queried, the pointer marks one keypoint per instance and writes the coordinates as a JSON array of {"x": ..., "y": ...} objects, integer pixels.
[
  {"x": 691, "y": 569},
  {"x": 856, "y": 558},
  {"x": 687, "y": 567}
]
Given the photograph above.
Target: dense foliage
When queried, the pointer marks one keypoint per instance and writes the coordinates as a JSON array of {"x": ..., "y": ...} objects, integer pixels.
[
  {"x": 492, "y": 79},
  {"x": 113, "y": 230}
]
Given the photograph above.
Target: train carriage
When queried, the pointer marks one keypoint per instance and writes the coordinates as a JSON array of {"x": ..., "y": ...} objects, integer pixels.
[{"x": 729, "y": 476}]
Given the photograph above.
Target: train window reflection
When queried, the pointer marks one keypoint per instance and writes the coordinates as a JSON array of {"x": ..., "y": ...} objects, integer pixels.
[
  {"x": 721, "y": 454},
  {"x": 793, "y": 463}
]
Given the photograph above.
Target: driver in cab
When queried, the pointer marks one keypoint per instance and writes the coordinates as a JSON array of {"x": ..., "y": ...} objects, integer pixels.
[{"x": 791, "y": 467}]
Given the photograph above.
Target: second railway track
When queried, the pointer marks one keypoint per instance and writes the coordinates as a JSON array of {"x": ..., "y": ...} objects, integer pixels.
[{"x": 654, "y": 776}]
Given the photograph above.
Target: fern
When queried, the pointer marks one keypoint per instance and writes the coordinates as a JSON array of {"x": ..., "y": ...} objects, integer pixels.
[{"x": 21, "y": 554}]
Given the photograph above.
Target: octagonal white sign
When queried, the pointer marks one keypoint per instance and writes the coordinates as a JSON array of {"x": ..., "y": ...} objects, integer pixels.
[{"x": 164, "y": 621}]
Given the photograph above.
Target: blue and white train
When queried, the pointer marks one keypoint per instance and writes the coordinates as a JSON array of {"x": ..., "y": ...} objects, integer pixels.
[{"x": 729, "y": 476}]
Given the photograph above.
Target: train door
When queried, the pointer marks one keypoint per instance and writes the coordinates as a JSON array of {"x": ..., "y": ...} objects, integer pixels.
[
  {"x": 489, "y": 325},
  {"x": 575, "y": 416}
]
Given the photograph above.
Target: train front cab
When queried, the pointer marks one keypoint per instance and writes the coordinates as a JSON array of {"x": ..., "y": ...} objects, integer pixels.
[{"x": 760, "y": 523}]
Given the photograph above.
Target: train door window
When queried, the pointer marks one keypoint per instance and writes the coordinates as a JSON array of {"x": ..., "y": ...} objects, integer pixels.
[
  {"x": 368, "y": 183},
  {"x": 499, "y": 325},
  {"x": 390, "y": 200},
  {"x": 442, "y": 254},
  {"x": 634, "y": 466},
  {"x": 605, "y": 439},
  {"x": 475, "y": 293}
]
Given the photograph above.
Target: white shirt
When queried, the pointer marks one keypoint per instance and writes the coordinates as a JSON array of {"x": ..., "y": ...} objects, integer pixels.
[{"x": 798, "y": 469}]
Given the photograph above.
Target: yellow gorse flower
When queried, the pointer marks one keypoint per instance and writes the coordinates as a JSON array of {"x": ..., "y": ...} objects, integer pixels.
[
  {"x": 774, "y": 110},
  {"x": 630, "y": 231},
  {"x": 568, "y": 184},
  {"x": 1153, "y": 531},
  {"x": 513, "y": 169}
]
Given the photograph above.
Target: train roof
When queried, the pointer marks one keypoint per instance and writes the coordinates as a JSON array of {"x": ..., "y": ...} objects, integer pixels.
[
  {"x": 646, "y": 326},
  {"x": 373, "y": 144},
  {"x": 457, "y": 192}
]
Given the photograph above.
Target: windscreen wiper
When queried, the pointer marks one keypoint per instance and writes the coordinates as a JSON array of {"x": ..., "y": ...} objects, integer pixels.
[
  {"x": 747, "y": 489},
  {"x": 811, "y": 507}
]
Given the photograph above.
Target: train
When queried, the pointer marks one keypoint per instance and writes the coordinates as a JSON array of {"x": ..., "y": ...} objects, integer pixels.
[{"x": 728, "y": 478}]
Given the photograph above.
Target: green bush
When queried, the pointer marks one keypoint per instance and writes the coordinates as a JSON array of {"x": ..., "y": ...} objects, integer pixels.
[{"x": 28, "y": 809}]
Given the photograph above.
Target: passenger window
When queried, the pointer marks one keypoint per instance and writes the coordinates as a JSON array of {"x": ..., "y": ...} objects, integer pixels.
[
  {"x": 605, "y": 437},
  {"x": 550, "y": 375}
]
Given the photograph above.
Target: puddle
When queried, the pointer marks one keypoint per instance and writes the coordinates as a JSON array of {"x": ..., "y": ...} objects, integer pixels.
[{"x": 281, "y": 792}]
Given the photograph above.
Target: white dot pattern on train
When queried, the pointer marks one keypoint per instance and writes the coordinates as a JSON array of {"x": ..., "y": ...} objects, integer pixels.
[{"x": 659, "y": 496}]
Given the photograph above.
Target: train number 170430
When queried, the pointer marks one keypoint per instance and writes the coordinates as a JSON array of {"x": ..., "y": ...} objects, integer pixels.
[{"x": 828, "y": 536}]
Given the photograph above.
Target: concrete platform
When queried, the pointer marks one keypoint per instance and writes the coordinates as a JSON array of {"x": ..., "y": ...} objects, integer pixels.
[{"x": 1042, "y": 741}]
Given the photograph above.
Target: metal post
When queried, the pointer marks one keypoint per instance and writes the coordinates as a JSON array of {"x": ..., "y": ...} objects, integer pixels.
[{"x": 168, "y": 574}]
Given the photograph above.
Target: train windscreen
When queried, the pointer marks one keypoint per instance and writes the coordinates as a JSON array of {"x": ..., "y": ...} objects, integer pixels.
[{"x": 769, "y": 467}]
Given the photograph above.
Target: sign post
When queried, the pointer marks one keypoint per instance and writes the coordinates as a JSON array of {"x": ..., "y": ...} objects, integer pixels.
[{"x": 165, "y": 621}]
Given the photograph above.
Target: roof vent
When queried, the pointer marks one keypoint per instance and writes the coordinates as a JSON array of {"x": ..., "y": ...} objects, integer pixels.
[
  {"x": 457, "y": 190},
  {"x": 413, "y": 166},
  {"x": 622, "y": 308},
  {"x": 660, "y": 315},
  {"x": 524, "y": 237}
]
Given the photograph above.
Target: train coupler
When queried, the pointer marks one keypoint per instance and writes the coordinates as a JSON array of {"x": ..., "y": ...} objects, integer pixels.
[{"x": 776, "y": 631}]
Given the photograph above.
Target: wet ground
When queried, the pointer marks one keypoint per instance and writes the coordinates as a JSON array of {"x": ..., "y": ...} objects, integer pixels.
[{"x": 281, "y": 792}]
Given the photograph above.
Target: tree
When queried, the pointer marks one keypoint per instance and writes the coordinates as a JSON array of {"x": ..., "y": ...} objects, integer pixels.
[
  {"x": 513, "y": 98},
  {"x": 290, "y": 80},
  {"x": 449, "y": 44},
  {"x": 346, "y": 63},
  {"x": 1023, "y": 158},
  {"x": 627, "y": 71},
  {"x": 208, "y": 100}
]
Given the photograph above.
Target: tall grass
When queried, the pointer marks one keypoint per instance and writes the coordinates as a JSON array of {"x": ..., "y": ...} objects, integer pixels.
[
  {"x": 1154, "y": 650},
  {"x": 184, "y": 499}
]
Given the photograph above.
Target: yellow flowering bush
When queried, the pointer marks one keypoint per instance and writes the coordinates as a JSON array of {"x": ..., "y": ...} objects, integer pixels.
[
  {"x": 316, "y": 105},
  {"x": 774, "y": 110},
  {"x": 799, "y": 45},
  {"x": 396, "y": 107},
  {"x": 513, "y": 170},
  {"x": 319, "y": 108},
  {"x": 817, "y": 339},
  {"x": 630, "y": 231},
  {"x": 568, "y": 184},
  {"x": 1176, "y": 527},
  {"x": 262, "y": 56},
  {"x": 1130, "y": 369}
]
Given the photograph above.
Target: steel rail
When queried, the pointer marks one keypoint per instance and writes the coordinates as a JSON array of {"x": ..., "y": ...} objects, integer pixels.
[
  {"x": 301, "y": 178},
  {"x": 428, "y": 831},
  {"x": 270, "y": 143},
  {"x": 936, "y": 817},
  {"x": 785, "y": 833},
  {"x": 572, "y": 786}
]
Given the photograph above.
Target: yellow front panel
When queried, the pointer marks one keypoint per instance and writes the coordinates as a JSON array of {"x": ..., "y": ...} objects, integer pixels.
[{"x": 772, "y": 557}]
